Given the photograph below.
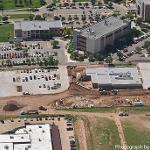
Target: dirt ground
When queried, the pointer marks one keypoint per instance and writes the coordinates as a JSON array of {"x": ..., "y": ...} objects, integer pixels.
[{"x": 75, "y": 95}]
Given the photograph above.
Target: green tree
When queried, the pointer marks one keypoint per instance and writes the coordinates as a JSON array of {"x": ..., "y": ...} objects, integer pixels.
[
  {"x": 1, "y": 7},
  {"x": 8, "y": 63},
  {"x": 147, "y": 44},
  {"x": 148, "y": 50},
  {"x": 45, "y": 62},
  {"x": 93, "y": 2},
  {"x": 5, "y": 18},
  {"x": 110, "y": 4},
  {"x": 67, "y": 32},
  {"x": 28, "y": 62},
  {"x": 51, "y": 61},
  {"x": 109, "y": 60},
  {"x": 138, "y": 50},
  {"x": 39, "y": 17},
  {"x": 55, "y": 43}
]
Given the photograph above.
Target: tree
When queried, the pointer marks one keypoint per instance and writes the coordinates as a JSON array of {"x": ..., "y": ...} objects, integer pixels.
[
  {"x": 93, "y": 2},
  {"x": 31, "y": 17},
  {"x": 55, "y": 43},
  {"x": 97, "y": 18},
  {"x": 45, "y": 62},
  {"x": 32, "y": 60},
  {"x": 5, "y": 18},
  {"x": 38, "y": 60},
  {"x": 76, "y": 17},
  {"x": 139, "y": 21},
  {"x": 109, "y": 60},
  {"x": 83, "y": 17},
  {"x": 148, "y": 50},
  {"x": 28, "y": 62},
  {"x": 138, "y": 50},
  {"x": 51, "y": 61},
  {"x": 147, "y": 44},
  {"x": 67, "y": 32},
  {"x": 56, "y": 18},
  {"x": 8, "y": 63},
  {"x": 39, "y": 17},
  {"x": 69, "y": 18},
  {"x": 110, "y": 4},
  {"x": 18, "y": 45},
  {"x": 1, "y": 7}
]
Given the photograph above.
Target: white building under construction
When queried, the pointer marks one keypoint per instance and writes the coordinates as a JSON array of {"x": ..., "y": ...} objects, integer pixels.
[{"x": 112, "y": 77}]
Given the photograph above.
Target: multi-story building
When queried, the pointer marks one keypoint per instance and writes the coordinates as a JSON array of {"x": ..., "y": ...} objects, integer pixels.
[
  {"x": 96, "y": 37},
  {"x": 143, "y": 9},
  {"x": 26, "y": 30}
]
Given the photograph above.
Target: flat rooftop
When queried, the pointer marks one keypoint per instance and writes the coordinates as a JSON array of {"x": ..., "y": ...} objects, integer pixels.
[
  {"x": 114, "y": 76},
  {"x": 144, "y": 69},
  {"x": 37, "y": 25},
  {"x": 33, "y": 137},
  {"x": 103, "y": 27}
]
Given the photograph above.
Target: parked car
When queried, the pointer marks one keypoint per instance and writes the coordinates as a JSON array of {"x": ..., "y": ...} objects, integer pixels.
[{"x": 123, "y": 114}]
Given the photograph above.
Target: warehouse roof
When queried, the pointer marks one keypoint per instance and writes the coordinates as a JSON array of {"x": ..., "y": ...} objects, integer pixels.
[
  {"x": 37, "y": 25},
  {"x": 114, "y": 76},
  {"x": 103, "y": 27},
  {"x": 144, "y": 69}
]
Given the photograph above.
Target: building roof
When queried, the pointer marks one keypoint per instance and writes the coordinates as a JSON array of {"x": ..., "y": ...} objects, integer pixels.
[
  {"x": 103, "y": 27},
  {"x": 14, "y": 138},
  {"x": 37, "y": 25},
  {"x": 114, "y": 76},
  {"x": 144, "y": 69},
  {"x": 4, "y": 145},
  {"x": 33, "y": 137}
]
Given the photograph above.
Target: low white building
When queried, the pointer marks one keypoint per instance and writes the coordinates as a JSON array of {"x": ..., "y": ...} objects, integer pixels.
[
  {"x": 30, "y": 137},
  {"x": 114, "y": 77}
]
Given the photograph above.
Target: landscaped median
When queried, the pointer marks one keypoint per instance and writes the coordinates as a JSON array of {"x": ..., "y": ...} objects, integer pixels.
[{"x": 20, "y": 16}]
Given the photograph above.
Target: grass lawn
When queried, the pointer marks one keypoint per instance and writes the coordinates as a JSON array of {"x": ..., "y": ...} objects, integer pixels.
[
  {"x": 6, "y": 31},
  {"x": 101, "y": 133},
  {"x": 19, "y": 16},
  {"x": 10, "y": 4},
  {"x": 135, "y": 135},
  {"x": 141, "y": 109}
]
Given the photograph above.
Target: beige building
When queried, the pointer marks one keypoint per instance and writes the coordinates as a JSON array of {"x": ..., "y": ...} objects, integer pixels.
[
  {"x": 26, "y": 30},
  {"x": 96, "y": 37},
  {"x": 143, "y": 9}
]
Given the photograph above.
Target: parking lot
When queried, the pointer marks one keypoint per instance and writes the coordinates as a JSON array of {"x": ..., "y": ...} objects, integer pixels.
[
  {"x": 29, "y": 52},
  {"x": 78, "y": 16},
  {"x": 65, "y": 126},
  {"x": 33, "y": 82}
]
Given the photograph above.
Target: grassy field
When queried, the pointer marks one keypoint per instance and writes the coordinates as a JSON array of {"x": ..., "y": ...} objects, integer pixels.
[
  {"x": 6, "y": 31},
  {"x": 10, "y": 4},
  {"x": 20, "y": 16},
  {"x": 136, "y": 135},
  {"x": 142, "y": 109},
  {"x": 101, "y": 134},
  {"x": 93, "y": 110}
]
